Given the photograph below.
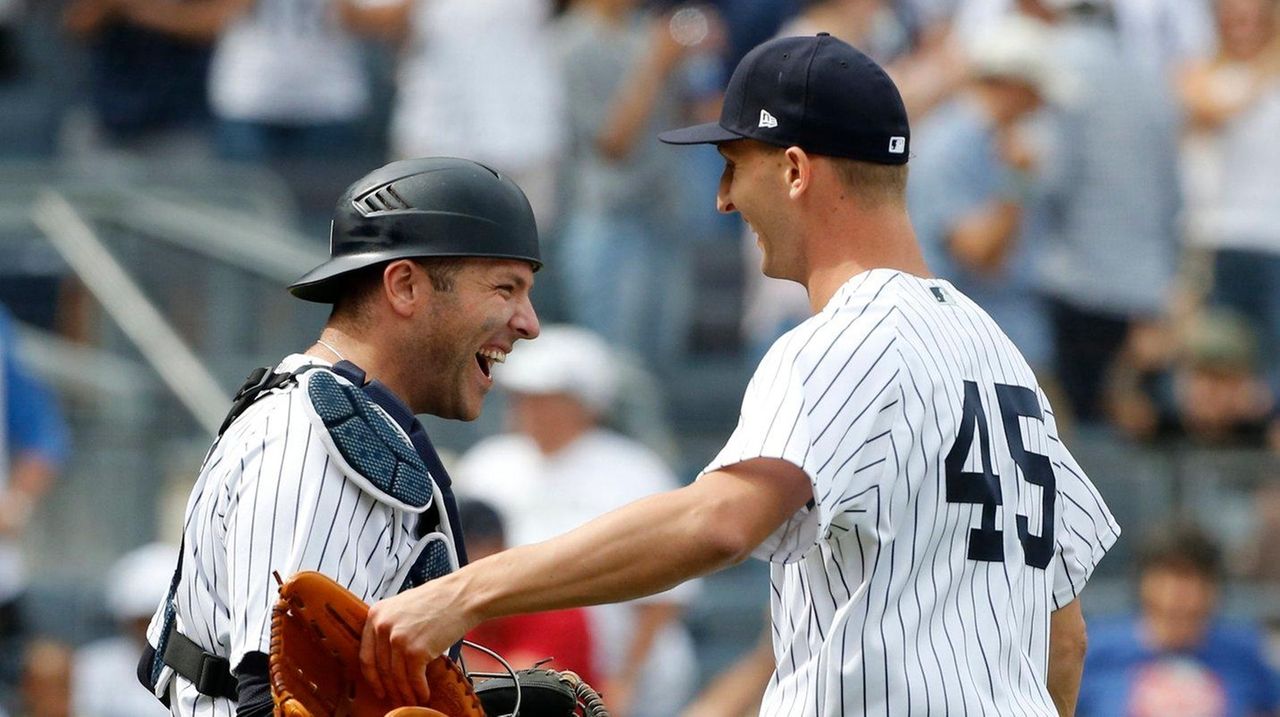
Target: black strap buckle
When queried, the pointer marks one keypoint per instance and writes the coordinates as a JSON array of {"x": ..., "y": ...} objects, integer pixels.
[
  {"x": 211, "y": 674},
  {"x": 259, "y": 382}
]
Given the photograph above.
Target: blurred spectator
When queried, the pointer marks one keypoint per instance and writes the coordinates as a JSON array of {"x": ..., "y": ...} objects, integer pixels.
[
  {"x": 1158, "y": 35},
  {"x": 1256, "y": 560},
  {"x": 103, "y": 677},
  {"x": 972, "y": 182},
  {"x": 625, "y": 261},
  {"x": 560, "y": 637},
  {"x": 477, "y": 79},
  {"x": 739, "y": 689},
  {"x": 1211, "y": 389},
  {"x": 10, "y": 53},
  {"x": 33, "y": 446},
  {"x": 286, "y": 80},
  {"x": 29, "y": 97},
  {"x": 46, "y": 679},
  {"x": 1176, "y": 657},
  {"x": 1107, "y": 269},
  {"x": 1232, "y": 102},
  {"x": 559, "y": 469},
  {"x": 146, "y": 88}
]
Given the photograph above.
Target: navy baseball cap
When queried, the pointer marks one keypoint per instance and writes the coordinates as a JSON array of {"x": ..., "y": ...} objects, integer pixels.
[{"x": 815, "y": 92}]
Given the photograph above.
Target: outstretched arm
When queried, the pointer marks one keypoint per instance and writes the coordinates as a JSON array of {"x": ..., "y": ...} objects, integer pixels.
[
  {"x": 640, "y": 549},
  {"x": 196, "y": 20},
  {"x": 738, "y": 690},
  {"x": 1067, "y": 644}
]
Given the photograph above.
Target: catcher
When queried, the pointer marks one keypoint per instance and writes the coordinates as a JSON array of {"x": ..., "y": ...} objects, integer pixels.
[{"x": 321, "y": 464}]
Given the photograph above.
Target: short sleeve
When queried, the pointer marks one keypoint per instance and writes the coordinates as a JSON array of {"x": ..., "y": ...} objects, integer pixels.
[
  {"x": 818, "y": 401},
  {"x": 1085, "y": 528}
]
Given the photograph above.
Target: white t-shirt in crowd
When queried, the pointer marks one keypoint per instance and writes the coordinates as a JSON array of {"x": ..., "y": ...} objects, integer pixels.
[
  {"x": 478, "y": 79},
  {"x": 288, "y": 62},
  {"x": 540, "y": 497}
]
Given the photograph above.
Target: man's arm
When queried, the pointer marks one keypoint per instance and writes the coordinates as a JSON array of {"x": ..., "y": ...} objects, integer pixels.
[
  {"x": 650, "y": 619},
  {"x": 738, "y": 690},
  {"x": 980, "y": 241},
  {"x": 640, "y": 549},
  {"x": 195, "y": 20},
  {"x": 631, "y": 107},
  {"x": 386, "y": 20},
  {"x": 1067, "y": 644}
]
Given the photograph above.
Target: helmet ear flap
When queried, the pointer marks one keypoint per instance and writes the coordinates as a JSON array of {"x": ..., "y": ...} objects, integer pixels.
[{"x": 436, "y": 206}]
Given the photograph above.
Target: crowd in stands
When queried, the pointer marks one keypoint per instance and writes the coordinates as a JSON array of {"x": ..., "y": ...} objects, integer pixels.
[
  {"x": 1103, "y": 176},
  {"x": 1099, "y": 174}
]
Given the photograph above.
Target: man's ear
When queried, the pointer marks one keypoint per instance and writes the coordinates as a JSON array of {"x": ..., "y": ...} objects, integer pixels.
[
  {"x": 402, "y": 286},
  {"x": 799, "y": 171}
]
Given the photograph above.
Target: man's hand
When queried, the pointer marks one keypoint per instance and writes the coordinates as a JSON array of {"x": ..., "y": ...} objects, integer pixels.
[
  {"x": 85, "y": 18},
  {"x": 405, "y": 632},
  {"x": 640, "y": 549}
]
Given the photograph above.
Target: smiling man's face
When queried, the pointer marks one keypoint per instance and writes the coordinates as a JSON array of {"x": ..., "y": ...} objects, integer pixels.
[{"x": 465, "y": 330}]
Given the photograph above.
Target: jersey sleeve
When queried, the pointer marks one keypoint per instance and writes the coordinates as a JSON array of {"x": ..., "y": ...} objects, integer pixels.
[
  {"x": 1085, "y": 528},
  {"x": 818, "y": 401},
  {"x": 289, "y": 509}
]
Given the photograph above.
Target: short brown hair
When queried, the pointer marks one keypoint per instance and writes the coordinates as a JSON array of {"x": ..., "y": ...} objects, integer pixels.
[
  {"x": 1182, "y": 548},
  {"x": 872, "y": 184},
  {"x": 362, "y": 284}
]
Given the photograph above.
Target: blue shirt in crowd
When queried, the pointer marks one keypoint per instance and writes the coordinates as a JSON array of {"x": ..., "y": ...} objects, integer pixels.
[
  {"x": 1225, "y": 676},
  {"x": 32, "y": 422}
]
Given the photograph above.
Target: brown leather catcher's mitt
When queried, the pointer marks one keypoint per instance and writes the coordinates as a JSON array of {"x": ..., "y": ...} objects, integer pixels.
[{"x": 316, "y": 627}]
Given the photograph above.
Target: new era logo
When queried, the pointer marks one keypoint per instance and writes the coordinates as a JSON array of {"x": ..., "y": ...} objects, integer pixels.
[
  {"x": 897, "y": 145},
  {"x": 767, "y": 120}
]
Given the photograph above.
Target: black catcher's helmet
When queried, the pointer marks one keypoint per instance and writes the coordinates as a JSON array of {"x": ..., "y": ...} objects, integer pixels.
[{"x": 435, "y": 206}]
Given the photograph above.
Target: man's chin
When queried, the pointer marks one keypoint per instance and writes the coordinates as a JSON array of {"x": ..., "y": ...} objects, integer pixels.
[
  {"x": 470, "y": 408},
  {"x": 465, "y": 413}
]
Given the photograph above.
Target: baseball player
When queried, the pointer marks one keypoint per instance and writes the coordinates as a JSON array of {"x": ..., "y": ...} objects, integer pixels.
[
  {"x": 321, "y": 464},
  {"x": 895, "y": 461}
]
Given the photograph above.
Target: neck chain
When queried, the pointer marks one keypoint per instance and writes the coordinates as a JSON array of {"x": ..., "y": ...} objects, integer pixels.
[{"x": 332, "y": 350}]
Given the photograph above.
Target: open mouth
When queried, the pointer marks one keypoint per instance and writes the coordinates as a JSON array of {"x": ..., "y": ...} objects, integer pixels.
[{"x": 486, "y": 358}]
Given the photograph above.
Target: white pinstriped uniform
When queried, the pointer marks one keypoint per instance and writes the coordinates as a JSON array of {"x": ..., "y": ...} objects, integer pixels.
[
  {"x": 886, "y": 599},
  {"x": 269, "y": 498}
]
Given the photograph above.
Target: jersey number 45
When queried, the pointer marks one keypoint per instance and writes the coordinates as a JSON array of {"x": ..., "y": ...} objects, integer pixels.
[{"x": 983, "y": 488}]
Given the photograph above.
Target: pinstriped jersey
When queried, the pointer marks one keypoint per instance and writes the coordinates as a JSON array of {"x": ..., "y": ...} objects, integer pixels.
[
  {"x": 269, "y": 497},
  {"x": 948, "y": 520}
]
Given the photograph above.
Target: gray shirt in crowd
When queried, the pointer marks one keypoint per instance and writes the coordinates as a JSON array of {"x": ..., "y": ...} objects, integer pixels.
[{"x": 1112, "y": 238}]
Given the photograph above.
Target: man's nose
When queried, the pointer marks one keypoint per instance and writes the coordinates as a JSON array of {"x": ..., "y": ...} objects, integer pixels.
[{"x": 525, "y": 320}]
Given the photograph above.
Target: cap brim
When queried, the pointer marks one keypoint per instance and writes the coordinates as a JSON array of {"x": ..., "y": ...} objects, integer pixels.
[
  {"x": 709, "y": 133},
  {"x": 324, "y": 283},
  {"x": 321, "y": 283}
]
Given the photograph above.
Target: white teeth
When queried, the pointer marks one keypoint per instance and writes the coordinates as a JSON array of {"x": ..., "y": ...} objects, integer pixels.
[{"x": 494, "y": 355}]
